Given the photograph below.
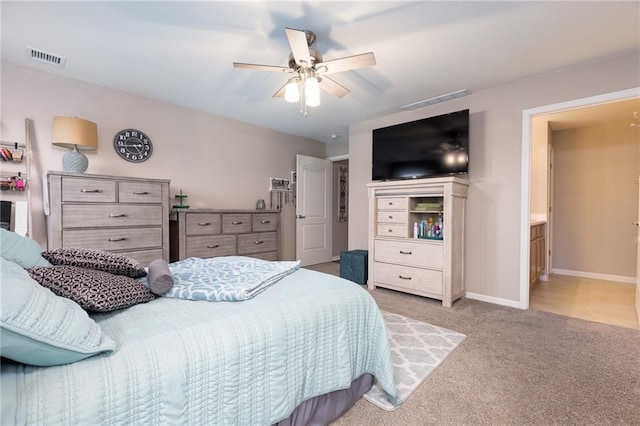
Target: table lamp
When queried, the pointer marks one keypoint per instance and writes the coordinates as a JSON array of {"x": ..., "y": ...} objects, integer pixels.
[{"x": 76, "y": 133}]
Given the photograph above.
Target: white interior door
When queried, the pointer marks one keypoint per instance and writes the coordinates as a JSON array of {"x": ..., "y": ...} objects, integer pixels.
[{"x": 313, "y": 210}]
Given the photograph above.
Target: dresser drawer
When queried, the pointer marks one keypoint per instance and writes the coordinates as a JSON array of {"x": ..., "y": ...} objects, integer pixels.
[
  {"x": 233, "y": 223},
  {"x": 140, "y": 192},
  {"x": 420, "y": 253},
  {"x": 392, "y": 230},
  {"x": 406, "y": 277},
  {"x": 116, "y": 239},
  {"x": 87, "y": 190},
  {"x": 257, "y": 243},
  {"x": 203, "y": 223},
  {"x": 145, "y": 257},
  {"x": 272, "y": 255},
  {"x": 211, "y": 246},
  {"x": 88, "y": 215},
  {"x": 392, "y": 217},
  {"x": 392, "y": 203},
  {"x": 264, "y": 222}
]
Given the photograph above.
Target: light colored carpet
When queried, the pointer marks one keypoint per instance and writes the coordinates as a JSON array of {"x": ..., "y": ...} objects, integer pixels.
[
  {"x": 515, "y": 368},
  {"x": 417, "y": 348}
]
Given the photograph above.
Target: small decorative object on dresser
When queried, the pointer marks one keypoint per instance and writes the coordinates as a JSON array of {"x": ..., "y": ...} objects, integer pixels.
[
  {"x": 133, "y": 145},
  {"x": 124, "y": 215},
  {"x": 210, "y": 233},
  {"x": 260, "y": 205},
  {"x": 180, "y": 198}
]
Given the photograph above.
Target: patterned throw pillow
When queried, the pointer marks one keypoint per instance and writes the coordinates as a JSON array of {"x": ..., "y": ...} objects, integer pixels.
[
  {"x": 93, "y": 290},
  {"x": 96, "y": 259}
]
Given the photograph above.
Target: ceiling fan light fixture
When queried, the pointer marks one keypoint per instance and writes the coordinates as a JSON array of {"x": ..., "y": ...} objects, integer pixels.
[
  {"x": 291, "y": 92},
  {"x": 312, "y": 92}
]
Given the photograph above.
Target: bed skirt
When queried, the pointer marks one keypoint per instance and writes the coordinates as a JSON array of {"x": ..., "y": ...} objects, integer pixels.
[{"x": 323, "y": 409}]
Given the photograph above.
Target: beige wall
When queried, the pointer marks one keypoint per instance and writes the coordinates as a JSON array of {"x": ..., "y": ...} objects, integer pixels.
[
  {"x": 596, "y": 199},
  {"x": 540, "y": 139},
  {"x": 217, "y": 162},
  {"x": 493, "y": 205}
]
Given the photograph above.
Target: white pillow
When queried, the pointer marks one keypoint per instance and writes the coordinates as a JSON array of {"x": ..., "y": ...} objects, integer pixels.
[{"x": 39, "y": 328}]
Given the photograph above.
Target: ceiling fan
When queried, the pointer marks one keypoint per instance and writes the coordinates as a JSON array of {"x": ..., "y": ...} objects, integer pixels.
[{"x": 309, "y": 71}]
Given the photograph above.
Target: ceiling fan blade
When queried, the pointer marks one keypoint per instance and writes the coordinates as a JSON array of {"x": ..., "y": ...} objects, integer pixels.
[
  {"x": 299, "y": 46},
  {"x": 262, "y": 67},
  {"x": 346, "y": 64},
  {"x": 280, "y": 92},
  {"x": 332, "y": 87}
]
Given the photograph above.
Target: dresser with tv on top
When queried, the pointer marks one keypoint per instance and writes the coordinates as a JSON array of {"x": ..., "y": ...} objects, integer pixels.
[
  {"x": 416, "y": 237},
  {"x": 125, "y": 215}
]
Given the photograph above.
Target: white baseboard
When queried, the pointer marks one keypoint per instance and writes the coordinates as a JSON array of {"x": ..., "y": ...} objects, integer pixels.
[
  {"x": 494, "y": 300},
  {"x": 605, "y": 277},
  {"x": 334, "y": 258}
]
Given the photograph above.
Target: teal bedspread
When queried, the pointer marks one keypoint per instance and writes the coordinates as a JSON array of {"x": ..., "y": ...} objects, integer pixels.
[{"x": 196, "y": 362}]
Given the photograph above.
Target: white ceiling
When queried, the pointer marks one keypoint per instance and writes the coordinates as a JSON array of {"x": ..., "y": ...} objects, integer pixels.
[{"x": 182, "y": 52}]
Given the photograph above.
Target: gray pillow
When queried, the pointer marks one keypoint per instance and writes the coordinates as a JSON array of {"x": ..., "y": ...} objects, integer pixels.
[
  {"x": 93, "y": 290},
  {"x": 160, "y": 278},
  {"x": 100, "y": 260}
]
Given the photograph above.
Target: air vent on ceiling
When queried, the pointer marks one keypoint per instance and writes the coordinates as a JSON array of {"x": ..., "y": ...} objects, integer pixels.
[
  {"x": 47, "y": 58},
  {"x": 436, "y": 100}
]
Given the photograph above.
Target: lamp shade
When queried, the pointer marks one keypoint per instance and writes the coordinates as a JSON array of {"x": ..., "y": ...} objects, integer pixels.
[{"x": 71, "y": 132}]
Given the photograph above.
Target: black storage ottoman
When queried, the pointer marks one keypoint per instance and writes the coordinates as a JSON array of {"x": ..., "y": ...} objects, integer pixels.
[{"x": 354, "y": 265}]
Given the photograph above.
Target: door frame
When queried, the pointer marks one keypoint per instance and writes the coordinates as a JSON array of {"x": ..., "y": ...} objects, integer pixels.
[{"x": 525, "y": 176}]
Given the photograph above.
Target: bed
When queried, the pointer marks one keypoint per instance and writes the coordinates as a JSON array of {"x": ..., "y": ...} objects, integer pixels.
[{"x": 300, "y": 352}]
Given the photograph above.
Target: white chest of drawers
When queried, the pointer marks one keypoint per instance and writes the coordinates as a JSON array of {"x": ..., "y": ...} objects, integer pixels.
[
  {"x": 432, "y": 266},
  {"x": 210, "y": 233},
  {"x": 112, "y": 213}
]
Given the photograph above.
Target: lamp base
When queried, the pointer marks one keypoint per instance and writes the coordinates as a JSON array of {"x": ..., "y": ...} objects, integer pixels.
[{"x": 75, "y": 161}]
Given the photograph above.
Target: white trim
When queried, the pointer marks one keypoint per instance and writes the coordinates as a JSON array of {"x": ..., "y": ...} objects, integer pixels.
[
  {"x": 595, "y": 276},
  {"x": 525, "y": 176},
  {"x": 494, "y": 300},
  {"x": 334, "y": 258},
  {"x": 338, "y": 157}
]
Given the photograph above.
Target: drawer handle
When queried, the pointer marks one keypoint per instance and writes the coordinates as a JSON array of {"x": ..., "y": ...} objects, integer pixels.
[
  {"x": 404, "y": 278},
  {"x": 389, "y": 230},
  {"x": 236, "y": 223},
  {"x": 390, "y": 217},
  {"x": 390, "y": 203},
  {"x": 204, "y": 223},
  {"x": 258, "y": 242},
  {"x": 405, "y": 252},
  {"x": 140, "y": 193},
  {"x": 265, "y": 221},
  {"x": 117, "y": 215},
  {"x": 90, "y": 190},
  {"x": 118, "y": 239},
  {"x": 212, "y": 246}
]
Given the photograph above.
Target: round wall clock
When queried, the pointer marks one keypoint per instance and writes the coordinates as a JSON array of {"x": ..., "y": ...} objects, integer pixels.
[{"x": 133, "y": 145}]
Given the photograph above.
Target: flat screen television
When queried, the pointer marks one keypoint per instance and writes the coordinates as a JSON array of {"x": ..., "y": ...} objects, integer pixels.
[{"x": 433, "y": 146}]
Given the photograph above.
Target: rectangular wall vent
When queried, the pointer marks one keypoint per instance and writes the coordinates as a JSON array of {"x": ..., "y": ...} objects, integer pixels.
[
  {"x": 47, "y": 58},
  {"x": 436, "y": 100}
]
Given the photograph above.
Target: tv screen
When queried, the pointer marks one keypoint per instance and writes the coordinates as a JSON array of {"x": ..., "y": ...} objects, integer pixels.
[{"x": 433, "y": 146}]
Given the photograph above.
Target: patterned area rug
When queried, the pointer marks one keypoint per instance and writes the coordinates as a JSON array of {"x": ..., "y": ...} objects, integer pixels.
[{"x": 417, "y": 349}]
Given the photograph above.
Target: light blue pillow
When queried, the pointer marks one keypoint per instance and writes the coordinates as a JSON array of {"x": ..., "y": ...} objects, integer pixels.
[
  {"x": 39, "y": 328},
  {"x": 24, "y": 251}
]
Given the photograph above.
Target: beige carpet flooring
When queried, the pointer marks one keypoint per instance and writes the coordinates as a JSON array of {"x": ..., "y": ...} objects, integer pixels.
[{"x": 516, "y": 368}]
